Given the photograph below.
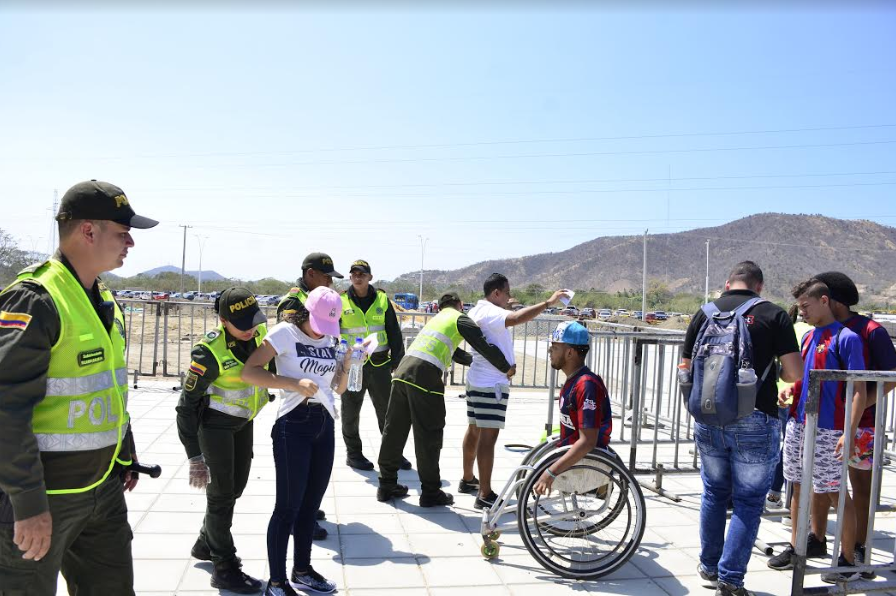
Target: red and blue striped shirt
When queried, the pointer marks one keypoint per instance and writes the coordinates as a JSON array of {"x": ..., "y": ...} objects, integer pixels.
[
  {"x": 832, "y": 347},
  {"x": 585, "y": 403}
]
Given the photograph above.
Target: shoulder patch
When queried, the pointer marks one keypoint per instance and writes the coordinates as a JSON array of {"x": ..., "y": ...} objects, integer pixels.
[
  {"x": 190, "y": 381},
  {"x": 293, "y": 291},
  {"x": 212, "y": 334},
  {"x": 197, "y": 368},
  {"x": 14, "y": 320}
]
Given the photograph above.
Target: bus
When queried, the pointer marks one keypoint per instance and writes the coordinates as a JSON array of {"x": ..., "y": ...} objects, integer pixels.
[{"x": 407, "y": 301}]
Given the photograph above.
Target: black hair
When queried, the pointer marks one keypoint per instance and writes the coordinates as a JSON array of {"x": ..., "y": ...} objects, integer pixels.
[
  {"x": 297, "y": 316},
  {"x": 495, "y": 281},
  {"x": 813, "y": 288},
  {"x": 842, "y": 288},
  {"x": 581, "y": 350},
  {"x": 746, "y": 272}
]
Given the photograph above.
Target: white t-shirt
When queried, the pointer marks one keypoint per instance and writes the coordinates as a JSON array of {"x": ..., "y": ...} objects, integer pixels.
[
  {"x": 491, "y": 319},
  {"x": 302, "y": 357}
]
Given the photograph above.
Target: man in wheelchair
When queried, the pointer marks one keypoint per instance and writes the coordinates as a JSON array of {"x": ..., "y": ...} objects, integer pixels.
[{"x": 585, "y": 417}]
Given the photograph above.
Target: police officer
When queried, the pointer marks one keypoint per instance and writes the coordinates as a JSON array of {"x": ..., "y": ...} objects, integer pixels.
[
  {"x": 365, "y": 311},
  {"x": 317, "y": 270},
  {"x": 65, "y": 435},
  {"x": 418, "y": 399},
  {"x": 214, "y": 421}
]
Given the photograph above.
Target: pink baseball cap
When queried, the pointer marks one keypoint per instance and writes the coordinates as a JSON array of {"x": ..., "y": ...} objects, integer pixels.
[{"x": 325, "y": 307}]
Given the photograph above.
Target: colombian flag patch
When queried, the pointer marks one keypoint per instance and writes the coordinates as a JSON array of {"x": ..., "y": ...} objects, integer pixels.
[
  {"x": 14, "y": 320},
  {"x": 197, "y": 368}
]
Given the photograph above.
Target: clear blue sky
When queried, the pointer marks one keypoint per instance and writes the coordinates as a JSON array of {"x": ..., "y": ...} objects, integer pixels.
[{"x": 495, "y": 133}]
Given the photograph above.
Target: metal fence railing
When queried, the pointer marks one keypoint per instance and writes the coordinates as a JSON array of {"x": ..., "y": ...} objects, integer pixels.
[{"x": 800, "y": 569}]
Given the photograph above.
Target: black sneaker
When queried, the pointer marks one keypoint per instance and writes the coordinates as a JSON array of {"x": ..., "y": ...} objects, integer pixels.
[
  {"x": 485, "y": 502},
  {"x": 201, "y": 551},
  {"x": 359, "y": 462},
  {"x": 320, "y": 515},
  {"x": 724, "y": 589},
  {"x": 841, "y": 577},
  {"x": 711, "y": 578},
  {"x": 283, "y": 589},
  {"x": 815, "y": 548},
  {"x": 439, "y": 499},
  {"x": 860, "y": 560},
  {"x": 312, "y": 580},
  {"x": 405, "y": 464},
  {"x": 783, "y": 560},
  {"x": 387, "y": 492},
  {"x": 469, "y": 487},
  {"x": 230, "y": 577}
]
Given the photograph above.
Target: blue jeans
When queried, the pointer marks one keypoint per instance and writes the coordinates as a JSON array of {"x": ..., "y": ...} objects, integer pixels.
[
  {"x": 736, "y": 460},
  {"x": 303, "y": 458}
]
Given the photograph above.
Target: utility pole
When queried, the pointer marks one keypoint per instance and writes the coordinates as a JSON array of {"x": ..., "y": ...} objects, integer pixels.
[
  {"x": 706, "y": 292},
  {"x": 52, "y": 246},
  {"x": 644, "y": 281},
  {"x": 183, "y": 260},
  {"x": 422, "y": 251},
  {"x": 201, "y": 240}
]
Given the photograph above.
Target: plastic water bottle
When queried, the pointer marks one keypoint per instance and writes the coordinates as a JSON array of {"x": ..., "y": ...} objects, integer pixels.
[
  {"x": 684, "y": 374},
  {"x": 356, "y": 372},
  {"x": 341, "y": 349}
]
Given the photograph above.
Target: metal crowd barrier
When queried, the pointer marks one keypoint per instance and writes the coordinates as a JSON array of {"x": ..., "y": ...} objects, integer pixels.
[{"x": 800, "y": 570}]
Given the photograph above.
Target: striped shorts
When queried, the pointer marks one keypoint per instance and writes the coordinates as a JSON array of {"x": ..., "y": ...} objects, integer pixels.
[{"x": 484, "y": 409}]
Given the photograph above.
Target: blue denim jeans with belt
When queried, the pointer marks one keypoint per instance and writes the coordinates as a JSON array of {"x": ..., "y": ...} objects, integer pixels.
[
  {"x": 736, "y": 461},
  {"x": 303, "y": 456}
]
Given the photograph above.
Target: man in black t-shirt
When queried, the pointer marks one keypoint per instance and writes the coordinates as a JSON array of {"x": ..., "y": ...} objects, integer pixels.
[{"x": 738, "y": 461}]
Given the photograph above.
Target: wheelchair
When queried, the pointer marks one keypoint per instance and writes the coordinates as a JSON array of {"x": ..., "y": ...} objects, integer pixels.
[{"x": 590, "y": 524}]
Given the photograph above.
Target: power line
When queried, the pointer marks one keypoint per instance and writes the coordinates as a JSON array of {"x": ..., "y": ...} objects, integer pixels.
[
  {"x": 546, "y": 155},
  {"x": 218, "y": 189},
  {"x": 484, "y": 143},
  {"x": 573, "y": 192}
]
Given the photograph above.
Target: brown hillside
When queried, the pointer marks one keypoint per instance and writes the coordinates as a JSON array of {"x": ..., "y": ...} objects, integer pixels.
[{"x": 789, "y": 248}]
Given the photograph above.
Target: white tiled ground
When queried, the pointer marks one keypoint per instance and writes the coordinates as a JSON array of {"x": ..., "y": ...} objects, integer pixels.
[{"x": 401, "y": 549}]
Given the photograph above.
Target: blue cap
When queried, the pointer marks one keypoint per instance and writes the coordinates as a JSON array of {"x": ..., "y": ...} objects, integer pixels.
[{"x": 572, "y": 333}]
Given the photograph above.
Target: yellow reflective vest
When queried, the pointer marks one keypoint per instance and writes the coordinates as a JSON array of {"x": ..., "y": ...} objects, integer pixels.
[
  {"x": 229, "y": 393},
  {"x": 357, "y": 323},
  {"x": 85, "y": 406},
  {"x": 437, "y": 341}
]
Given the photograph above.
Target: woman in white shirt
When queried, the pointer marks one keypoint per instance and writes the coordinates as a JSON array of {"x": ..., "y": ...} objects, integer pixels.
[{"x": 304, "y": 348}]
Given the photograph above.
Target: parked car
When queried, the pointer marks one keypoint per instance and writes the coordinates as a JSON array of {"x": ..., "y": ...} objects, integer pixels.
[
  {"x": 604, "y": 314},
  {"x": 550, "y": 311},
  {"x": 621, "y": 312},
  {"x": 661, "y": 315},
  {"x": 160, "y": 295},
  {"x": 650, "y": 317},
  {"x": 468, "y": 306},
  {"x": 587, "y": 313},
  {"x": 189, "y": 295},
  {"x": 570, "y": 311},
  {"x": 637, "y": 315}
]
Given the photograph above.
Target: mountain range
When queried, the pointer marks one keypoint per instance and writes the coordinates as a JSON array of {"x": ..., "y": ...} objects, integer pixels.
[
  {"x": 207, "y": 275},
  {"x": 788, "y": 248}
]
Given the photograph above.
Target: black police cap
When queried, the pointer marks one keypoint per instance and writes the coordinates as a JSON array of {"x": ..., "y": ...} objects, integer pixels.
[{"x": 100, "y": 201}]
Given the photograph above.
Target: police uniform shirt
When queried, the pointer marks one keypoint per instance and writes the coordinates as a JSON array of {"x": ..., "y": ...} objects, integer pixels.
[
  {"x": 192, "y": 410},
  {"x": 24, "y": 361},
  {"x": 393, "y": 328},
  {"x": 429, "y": 378}
]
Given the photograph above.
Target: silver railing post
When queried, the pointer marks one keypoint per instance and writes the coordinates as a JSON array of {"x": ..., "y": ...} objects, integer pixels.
[{"x": 802, "y": 522}]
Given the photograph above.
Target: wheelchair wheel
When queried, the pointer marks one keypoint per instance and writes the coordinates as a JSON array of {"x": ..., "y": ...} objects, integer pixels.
[{"x": 592, "y": 522}]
